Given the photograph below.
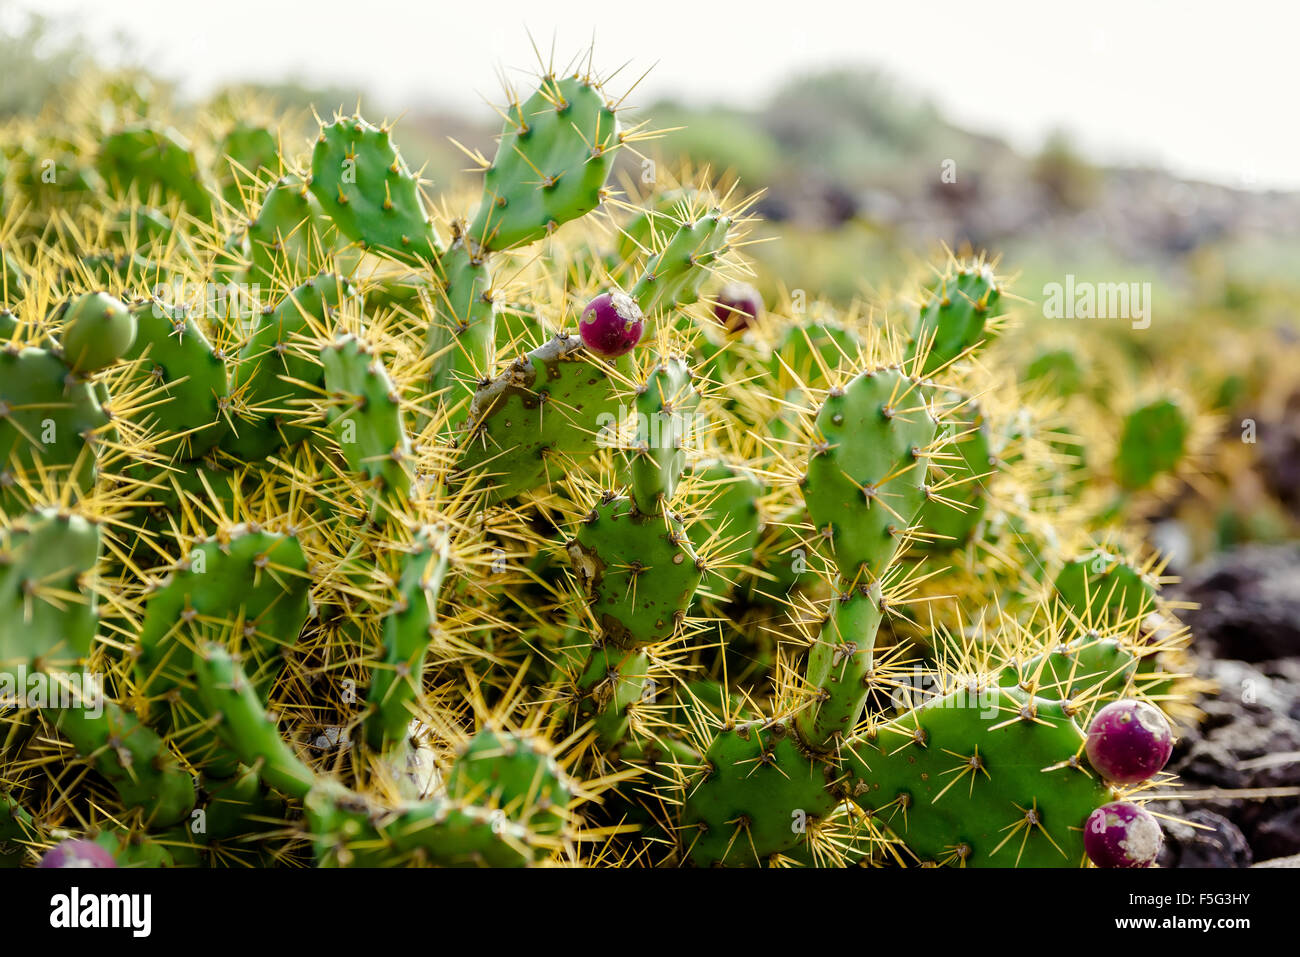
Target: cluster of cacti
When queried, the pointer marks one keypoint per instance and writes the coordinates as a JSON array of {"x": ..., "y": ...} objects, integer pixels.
[{"x": 496, "y": 540}]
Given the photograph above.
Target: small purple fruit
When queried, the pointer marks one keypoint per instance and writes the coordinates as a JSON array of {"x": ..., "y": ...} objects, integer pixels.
[
  {"x": 77, "y": 853},
  {"x": 611, "y": 324},
  {"x": 1122, "y": 835},
  {"x": 1129, "y": 741},
  {"x": 738, "y": 306}
]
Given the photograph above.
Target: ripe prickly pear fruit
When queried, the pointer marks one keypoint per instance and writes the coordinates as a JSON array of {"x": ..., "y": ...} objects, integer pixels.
[
  {"x": 1129, "y": 741},
  {"x": 77, "y": 853},
  {"x": 98, "y": 330},
  {"x": 737, "y": 307},
  {"x": 1122, "y": 835},
  {"x": 611, "y": 325}
]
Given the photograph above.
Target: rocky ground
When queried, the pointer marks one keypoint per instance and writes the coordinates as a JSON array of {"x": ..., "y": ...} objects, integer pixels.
[{"x": 1241, "y": 767}]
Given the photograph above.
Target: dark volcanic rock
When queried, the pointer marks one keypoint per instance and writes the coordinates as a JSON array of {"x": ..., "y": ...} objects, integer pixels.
[
  {"x": 1279, "y": 454},
  {"x": 1249, "y": 603},
  {"x": 1250, "y": 738},
  {"x": 1277, "y": 834},
  {"x": 1207, "y": 840}
]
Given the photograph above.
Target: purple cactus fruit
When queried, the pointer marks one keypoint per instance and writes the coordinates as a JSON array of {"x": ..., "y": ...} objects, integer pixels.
[
  {"x": 1129, "y": 741},
  {"x": 1122, "y": 835},
  {"x": 738, "y": 306},
  {"x": 611, "y": 324},
  {"x": 77, "y": 853}
]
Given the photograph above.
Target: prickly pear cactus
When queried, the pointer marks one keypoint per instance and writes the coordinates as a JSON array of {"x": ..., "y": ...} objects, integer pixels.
[{"x": 375, "y": 560}]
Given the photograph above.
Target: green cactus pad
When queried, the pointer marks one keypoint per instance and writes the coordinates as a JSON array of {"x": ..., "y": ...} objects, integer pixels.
[
  {"x": 290, "y": 236},
  {"x": 808, "y": 352},
  {"x": 729, "y": 523},
  {"x": 612, "y": 681},
  {"x": 131, "y": 757},
  {"x": 463, "y": 331},
  {"x": 398, "y": 680},
  {"x": 248, "y": 589},
  {"x": 548, "y": 406},
  {"x": 50, "y": 422},
  {"x": 665, "y": 404},
  {"x": 512, "y": 773},
  {"x": 47, "y": 613},
  {"x": 673, "y": 275},
  {"x": 639, "y": 572},
  {"x": 1060, "y": 370},
  {"x": 242, "y": 723},
  {"x": 141, "y": 157},
  {"x": 1092, "y": 666},
  {"x": 362, "y": 182},
  {"x": 249, "y": 583},
  {"x": 246, "y": 150},
  {"x": 983, "y": 776},
  {"x": 956, "y": 501},
  {"x": 1103, "y": 586},
  {"x": 138, "y": 228},
  {"x": 867, "y": 471},
  {"x": 639, "y": 235},
  {"x": 366, "y": 418},
  {"x": 279, "y": 371},
  {"x": 189, "y": 395},
  {"x": 235, "y": 807},
  {"x": 1152, "y": 443},
  {"x": 351, "y": 831},
  {"x": 955, "y": 315},
  {"x": 839, "y": 667},
  {"x": 760, "y": 793},
  {"x": 554, "y": 155}
]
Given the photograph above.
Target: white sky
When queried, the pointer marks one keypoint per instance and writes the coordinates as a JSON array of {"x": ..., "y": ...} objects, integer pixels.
[{"x": 1208, "y": 89}]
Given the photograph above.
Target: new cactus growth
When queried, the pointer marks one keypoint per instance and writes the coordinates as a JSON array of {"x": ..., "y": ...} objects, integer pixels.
[
  {"x": 288, "y": 237},
  {"x": 674, "y": 274},
  {"x": 463, "y": 333},
  {"x": 957, "y": 315},
  {"x": 98, "y": 330},
  {"x": 366, "y": 419}
]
